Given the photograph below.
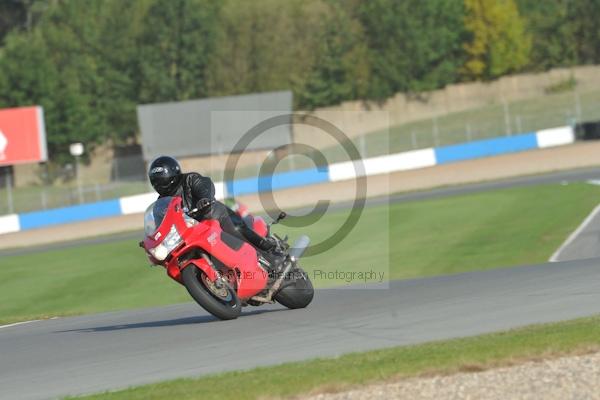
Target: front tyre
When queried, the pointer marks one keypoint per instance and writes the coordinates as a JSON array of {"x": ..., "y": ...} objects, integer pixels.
[
  {"x": 222, "y": 302},
  {"x": 298, "y": 293}
]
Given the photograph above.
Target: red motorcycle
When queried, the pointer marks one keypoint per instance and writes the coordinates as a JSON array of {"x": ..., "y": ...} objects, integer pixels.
[{"x": 221, "y": 272}]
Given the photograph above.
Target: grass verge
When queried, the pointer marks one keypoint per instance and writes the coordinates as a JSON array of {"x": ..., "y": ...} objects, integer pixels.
[
  {"x": 447, "y": 357},
  {"x": 405, "y": 240}
]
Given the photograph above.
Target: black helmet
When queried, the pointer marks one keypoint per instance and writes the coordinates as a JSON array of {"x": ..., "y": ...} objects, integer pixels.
[{"x": 165, "y": 175}]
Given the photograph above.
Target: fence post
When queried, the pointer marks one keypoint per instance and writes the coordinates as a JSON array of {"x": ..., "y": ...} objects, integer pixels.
[
  {"x": 507, "y": 118},
  {"x": 115, "y": 169},
  {"x": 414, "y": 140},
  {"x": 78, "y": 178},
  {"x": 436, "y": 133},
  {"x": 44, "y": 199},
  {"x": 578, "y": 116},
  {"x": 289, "y": 155},
  {"x": 363, "y": 146},
  {"x": 518, "y": 123},
  {"x": 469, "y": 133}
]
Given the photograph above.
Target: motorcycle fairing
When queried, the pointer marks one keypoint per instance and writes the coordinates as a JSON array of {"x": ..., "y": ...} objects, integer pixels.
[{"x": 249, "y": 277}]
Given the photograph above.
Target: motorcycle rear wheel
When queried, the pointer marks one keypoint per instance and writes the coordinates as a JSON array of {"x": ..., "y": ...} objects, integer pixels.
[
  {"x": 221, "y": 302},
  {"x": 296, "y": 294}
]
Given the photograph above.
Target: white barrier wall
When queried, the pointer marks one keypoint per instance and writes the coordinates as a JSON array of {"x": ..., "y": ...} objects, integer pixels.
[
  {"x": 383, "y": 165},
  {"x": 136, "y": 204},
  {"x": 9, "y": 223},
  {"x": 555, "y": 137}
]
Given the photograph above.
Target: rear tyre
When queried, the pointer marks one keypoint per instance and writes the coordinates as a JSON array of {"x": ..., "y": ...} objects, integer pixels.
[
  {"x": 296, "y": 294},
  {"x": 221, "y": 302}
]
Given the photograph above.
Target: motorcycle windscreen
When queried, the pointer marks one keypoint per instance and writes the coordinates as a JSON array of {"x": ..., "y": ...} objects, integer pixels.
[{"x": 154, "y": 215}]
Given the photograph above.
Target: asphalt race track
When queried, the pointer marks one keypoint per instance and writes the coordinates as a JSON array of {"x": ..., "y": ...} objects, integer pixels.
[
  {"x": 48, "y": 359},
  {"x": 584, "y": 242},
  {"x": 54, "y": 358}
]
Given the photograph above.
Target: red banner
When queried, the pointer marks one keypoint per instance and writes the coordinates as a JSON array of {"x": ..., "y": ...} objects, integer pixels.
[{"x": 22, "y": 136}]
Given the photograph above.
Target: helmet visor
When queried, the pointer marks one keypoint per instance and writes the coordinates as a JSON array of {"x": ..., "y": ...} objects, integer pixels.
[{"x": 163, "y": 185}]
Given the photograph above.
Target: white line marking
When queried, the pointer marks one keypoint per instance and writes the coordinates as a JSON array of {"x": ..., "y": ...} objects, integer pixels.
[
  {"x": 18, "y": 323},
  {"x": 25, "y": 322},
  {"x": 574, "y": 235}
]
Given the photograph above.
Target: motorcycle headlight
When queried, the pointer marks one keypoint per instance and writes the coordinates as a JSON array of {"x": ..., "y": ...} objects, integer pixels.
[{"x": 169, "y": 243}]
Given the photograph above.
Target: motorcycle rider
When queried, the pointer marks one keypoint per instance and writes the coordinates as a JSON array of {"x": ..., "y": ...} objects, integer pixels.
[{"x": 198, "y": 192}]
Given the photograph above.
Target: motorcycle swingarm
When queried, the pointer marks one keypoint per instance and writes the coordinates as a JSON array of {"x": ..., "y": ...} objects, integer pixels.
[{"x": 268, "y": 297}]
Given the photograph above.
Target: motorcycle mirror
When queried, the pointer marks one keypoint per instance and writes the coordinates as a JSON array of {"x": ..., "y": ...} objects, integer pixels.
[{"x": 281, "y": 216}]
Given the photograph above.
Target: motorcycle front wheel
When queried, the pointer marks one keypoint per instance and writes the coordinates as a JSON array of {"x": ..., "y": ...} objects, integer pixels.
[{"x": 221, "y": 301}]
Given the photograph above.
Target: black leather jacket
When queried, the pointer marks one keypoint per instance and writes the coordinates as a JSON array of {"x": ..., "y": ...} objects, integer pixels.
[{"x": 194, "y": 187}]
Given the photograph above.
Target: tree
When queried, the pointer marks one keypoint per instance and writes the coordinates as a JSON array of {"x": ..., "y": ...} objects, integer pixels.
[
  {"x": 89, "y": 63},
  {"x": 584, "y": 16},
  {"x": 115, "y": 49},
  {"x": 19, "y": 14},
  {"x": 266, "y": 45},
  {"x": 551, "y": 31},
  {"x": 413, "y": 45},
  {"x": 177, "y": 42},
  {"x": 77, "y": 63},
  {"x": 28, "y": 77},
  {"x": 341, "y": 70},
  {"x": 12, "y": 15},
  {"x": 70, "y": 35},
  {"x": 498, "y": 43}
]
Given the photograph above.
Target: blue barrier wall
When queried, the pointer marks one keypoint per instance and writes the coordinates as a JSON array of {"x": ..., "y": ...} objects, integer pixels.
[
  {"x": 485, "y": 148},
  {"x": 278, "y": 181},
  {"x": 63, "y": 215}
]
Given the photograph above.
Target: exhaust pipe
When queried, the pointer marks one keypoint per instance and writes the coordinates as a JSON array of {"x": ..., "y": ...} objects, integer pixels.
[{"x": 299, "y": 247}]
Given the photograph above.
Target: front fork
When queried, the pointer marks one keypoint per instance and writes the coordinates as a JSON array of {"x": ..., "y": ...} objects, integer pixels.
[{"x": 203, "y": 263}]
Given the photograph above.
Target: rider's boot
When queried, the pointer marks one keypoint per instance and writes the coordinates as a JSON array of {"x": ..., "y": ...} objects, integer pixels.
[
  {"x": 275, "y": 257},
  {"x": 266, "y": 244},
  {"x": 268, "y": 248}
]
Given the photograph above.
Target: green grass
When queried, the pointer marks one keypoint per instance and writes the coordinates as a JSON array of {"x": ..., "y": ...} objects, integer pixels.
[
  {"x": 457, "y": 234},
  {"x": 443, "y": 236},
  {"x": 469, "y": 354}
]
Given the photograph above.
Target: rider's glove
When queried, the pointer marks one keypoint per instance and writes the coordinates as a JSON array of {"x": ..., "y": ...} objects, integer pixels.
[{"x": 203, "y": 205}]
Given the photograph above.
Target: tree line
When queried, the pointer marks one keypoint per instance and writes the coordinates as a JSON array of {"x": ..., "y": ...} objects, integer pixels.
[{"x": 90, "y": 62}]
